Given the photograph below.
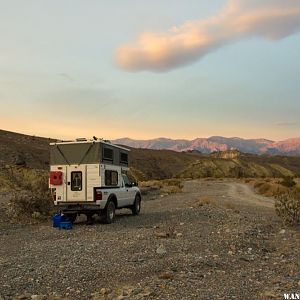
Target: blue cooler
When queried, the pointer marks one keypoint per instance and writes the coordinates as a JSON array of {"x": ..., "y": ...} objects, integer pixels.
[{"x": 57, "y": 219}]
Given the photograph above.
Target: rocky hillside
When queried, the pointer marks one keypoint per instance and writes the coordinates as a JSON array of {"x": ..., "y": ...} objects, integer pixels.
[
  {"x": 24, "y": 150},
  {"x": 289, "y": 147},
  {"x": 33, "y": 152}
]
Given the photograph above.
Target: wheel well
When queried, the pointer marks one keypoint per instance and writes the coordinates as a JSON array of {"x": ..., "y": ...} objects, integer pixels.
[{"x": 113, "y": 198}]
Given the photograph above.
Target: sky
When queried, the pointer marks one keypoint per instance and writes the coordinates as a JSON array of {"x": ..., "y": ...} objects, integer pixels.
[{"x": 147, "y": 69}]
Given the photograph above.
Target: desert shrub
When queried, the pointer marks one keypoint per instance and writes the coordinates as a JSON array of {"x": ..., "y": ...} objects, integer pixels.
[
  {"x": 288, "y": 181},
  {"x": 170, "y": 189},
  {"x": 287, "y": 207},
  {"x": 25, "y": 205},
  {"x": 270, "y": 188},
  {"x": 31, "y": 197},
  {"x": 166, "y": 186},
  {"x": 205, "y": 200}
]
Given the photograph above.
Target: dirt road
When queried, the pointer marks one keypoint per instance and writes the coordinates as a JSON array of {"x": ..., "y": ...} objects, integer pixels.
[{"x": 233, "y": 247}]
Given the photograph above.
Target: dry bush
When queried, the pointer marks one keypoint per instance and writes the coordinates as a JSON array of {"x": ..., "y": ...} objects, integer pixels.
[
  {"x": 172, "y": 189},
  {"x": 288, "y": 181},
  {"x": 166, "y": 186},
  {"x": 229, "y": 205},
  {"x": 31, "y": 197},
  {"x": 205, "y": 200},
  {"x": 287, "y": 207},
  {"x": 270, "y": 188},
  {"x": 26, "y": 205}
]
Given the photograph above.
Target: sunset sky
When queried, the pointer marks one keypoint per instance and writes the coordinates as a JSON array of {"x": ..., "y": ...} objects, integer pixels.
[{"x": 147, "y": 69}]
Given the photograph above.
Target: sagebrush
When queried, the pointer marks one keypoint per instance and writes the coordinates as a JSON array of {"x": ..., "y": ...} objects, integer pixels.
[
  {"x": 31, "y": 198},
  {"x": 287, "y": 207}
]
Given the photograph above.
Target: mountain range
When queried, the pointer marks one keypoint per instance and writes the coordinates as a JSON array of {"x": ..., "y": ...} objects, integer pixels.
[{"x": 289, "y": 147}]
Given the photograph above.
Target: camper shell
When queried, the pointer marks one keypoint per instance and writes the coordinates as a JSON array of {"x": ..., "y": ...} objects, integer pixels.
[{"x": 86, "y": 175}]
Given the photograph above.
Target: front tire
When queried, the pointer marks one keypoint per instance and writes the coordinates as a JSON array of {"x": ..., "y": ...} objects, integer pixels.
[
  {"x": 109, "y": 213},
  {"x": 136, "y": 207}
]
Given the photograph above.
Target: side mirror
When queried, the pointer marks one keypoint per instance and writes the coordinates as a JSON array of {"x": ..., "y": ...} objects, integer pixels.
[
  {"x": 128, "y": 184},
  {"x": 135, "y": 184}
]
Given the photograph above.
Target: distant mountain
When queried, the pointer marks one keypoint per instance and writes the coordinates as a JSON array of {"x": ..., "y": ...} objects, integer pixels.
[{"x": 289, "y": 147}]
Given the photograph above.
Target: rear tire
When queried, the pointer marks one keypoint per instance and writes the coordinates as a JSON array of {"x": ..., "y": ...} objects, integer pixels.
[
  {"x": 136, "y": 207},
  {"x": 71, "y": 217},
  {"x": 109, "y": 213}
]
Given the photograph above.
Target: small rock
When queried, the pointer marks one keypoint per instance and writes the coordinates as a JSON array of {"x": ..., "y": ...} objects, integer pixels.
[
  {"x": 299, "y": 283},
  {"x": 161, "y": 235},
  {"x": 282, "y": 231},
  {"x": 179, "y": 234},
  {"x": 161, "y": 250},
  {"x": 104, "y": 291},
  {"x": 36, "y": 215},
  {"x": 268, "y": 295}
]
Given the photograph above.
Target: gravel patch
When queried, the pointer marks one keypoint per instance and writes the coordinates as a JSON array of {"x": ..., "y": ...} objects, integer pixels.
[{"x": 175, "y": 249}]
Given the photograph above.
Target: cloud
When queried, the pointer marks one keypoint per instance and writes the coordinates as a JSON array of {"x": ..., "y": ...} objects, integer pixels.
[{"x": 239, "y": 19}]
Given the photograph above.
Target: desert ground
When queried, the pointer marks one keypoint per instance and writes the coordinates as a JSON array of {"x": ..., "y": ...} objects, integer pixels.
[{"x": 217, "y": 239}]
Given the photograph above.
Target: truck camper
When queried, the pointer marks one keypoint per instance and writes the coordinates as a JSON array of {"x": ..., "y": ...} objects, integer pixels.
[{"x": 90, "y": 177}]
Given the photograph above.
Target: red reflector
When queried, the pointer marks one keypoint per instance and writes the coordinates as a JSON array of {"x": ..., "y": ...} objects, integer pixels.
[
  {"x": 98, "y": 195},
  {"x": 56, "y": 177}
]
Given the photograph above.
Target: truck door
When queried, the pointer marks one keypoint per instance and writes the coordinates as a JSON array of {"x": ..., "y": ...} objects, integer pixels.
[
  {"x": 130, "y": 192},
  {"x": 76, "y": 183}
]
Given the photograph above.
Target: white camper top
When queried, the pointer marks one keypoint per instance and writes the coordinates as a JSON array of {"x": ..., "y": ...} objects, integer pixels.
[{"x": 88, "y": 141}]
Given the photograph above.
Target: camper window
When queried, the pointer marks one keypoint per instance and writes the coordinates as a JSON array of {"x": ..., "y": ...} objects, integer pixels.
[
  {"x": 124, "y": 158},
  {"x": 111, "y": 178},
  {"x": 76, "y": 181},
  {"x": 108, "y": 154}
]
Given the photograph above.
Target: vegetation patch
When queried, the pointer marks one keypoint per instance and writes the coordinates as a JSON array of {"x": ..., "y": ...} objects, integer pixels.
[
  {"x": 167, "y": 186},
  {"x": 205, "y": 200},
  {"x": 30, "y": 195},
  {"x": 287, "y": 207}
]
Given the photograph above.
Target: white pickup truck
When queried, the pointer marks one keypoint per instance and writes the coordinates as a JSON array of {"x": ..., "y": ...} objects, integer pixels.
[{"x": 89, "y": 177}]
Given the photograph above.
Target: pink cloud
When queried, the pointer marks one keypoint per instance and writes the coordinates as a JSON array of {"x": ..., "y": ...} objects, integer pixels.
[{"x": 179, "y": 46}]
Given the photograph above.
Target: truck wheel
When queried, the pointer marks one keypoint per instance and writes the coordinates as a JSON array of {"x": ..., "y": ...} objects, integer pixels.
[
  {"x": 109, "y": 213},
  {"x": 136, "y": 207},
  {"x": 71, "y": 217}
]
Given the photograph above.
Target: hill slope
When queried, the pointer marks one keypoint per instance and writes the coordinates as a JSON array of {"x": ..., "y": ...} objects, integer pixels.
[{"x": 33, "y": 152}]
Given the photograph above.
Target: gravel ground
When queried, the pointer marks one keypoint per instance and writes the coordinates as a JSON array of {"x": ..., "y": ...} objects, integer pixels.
[{"x": 233, "y": 247}]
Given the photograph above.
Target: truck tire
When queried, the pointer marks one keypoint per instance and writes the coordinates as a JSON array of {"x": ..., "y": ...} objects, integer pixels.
[
  {"x": 109, "y": 213},
  {"x": 136, "y": 207},
  {"x": 71, "y": 217}
]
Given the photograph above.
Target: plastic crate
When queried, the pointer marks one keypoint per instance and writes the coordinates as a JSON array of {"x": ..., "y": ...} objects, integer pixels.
[{"x": 66, "y": 225}]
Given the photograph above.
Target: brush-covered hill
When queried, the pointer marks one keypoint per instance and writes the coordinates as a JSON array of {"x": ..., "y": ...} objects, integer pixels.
[
  {"x": 228, "y": 164},
  {"x": 33, "y": 152}
]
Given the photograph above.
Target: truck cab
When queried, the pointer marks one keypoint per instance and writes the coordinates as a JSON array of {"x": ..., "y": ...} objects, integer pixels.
[{"x": 90, "y": 177}]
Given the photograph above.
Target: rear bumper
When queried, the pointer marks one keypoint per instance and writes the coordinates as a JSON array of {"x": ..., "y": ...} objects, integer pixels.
[{"x": 80, "y": 207}]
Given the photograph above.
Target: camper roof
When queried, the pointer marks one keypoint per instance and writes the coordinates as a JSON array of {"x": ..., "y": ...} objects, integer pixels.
[{"x": 86, "y": 141}]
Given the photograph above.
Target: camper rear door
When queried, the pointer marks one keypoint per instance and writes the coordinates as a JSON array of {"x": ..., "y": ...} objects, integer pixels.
[{"x": 76, "y": 183}]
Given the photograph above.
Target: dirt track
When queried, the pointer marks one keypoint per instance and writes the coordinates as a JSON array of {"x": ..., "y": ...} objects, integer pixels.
[{"x": 232, "y": 248}]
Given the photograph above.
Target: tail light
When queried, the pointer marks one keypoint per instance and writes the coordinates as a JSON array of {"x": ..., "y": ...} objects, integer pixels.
[
  {"x": 56, "y": 177},
  {"x": 98, "y": 194}
]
